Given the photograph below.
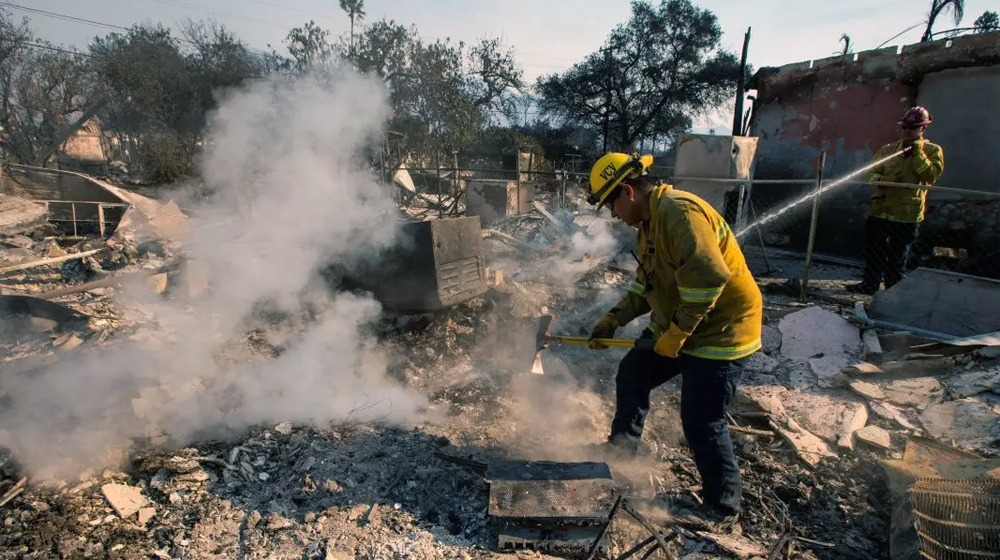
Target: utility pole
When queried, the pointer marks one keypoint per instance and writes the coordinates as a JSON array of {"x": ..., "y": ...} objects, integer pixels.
[
  {"x": 607, "y": 96},
  {"x": 741, "y": 88}
]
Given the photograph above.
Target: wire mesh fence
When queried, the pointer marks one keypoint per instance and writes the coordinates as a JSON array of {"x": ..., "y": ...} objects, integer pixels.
[
  {"x": 959, "y": 232},
  {"x": 773, "y": 219}
]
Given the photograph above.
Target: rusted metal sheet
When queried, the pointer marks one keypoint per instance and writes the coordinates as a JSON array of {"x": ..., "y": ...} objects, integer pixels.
[
  {"x": 561, "y": 508},
  {"x": 434, "y": 265},
  {"x": 563, "y": 499}
]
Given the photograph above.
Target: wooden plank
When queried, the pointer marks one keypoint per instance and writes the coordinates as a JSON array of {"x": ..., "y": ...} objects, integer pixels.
[
  {"x": 100, "y": 219},
  {"x": 53, "y": 260}
]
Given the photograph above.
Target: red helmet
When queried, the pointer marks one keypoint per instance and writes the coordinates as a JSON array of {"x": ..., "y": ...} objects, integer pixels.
[{"x": 916, "y": 116}]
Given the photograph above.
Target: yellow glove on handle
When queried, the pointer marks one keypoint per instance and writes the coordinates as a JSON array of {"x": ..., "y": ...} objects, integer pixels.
[
  {"x": 605, "y": 327},
  {"x": 669, "y": 344}
]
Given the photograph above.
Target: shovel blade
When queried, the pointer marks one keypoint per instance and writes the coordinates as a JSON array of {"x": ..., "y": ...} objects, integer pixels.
[{"x": 536, "y": 367}]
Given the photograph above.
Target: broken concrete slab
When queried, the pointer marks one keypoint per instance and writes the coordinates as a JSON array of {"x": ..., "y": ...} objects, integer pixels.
[
  {"x": 968, "y": 422},
  {"x": 917, "y": 392},
  {"x": 829, "y": 417},
  {"x": 941, "y": 301},
  {"x": 875, "y": 436},
  {"x": 145, "y": 514},
  {"x": 867, "y": 390},
  {"x": 892, "y": 413},
  {"x": 856, "y": 419},
  {"x": 808, "y": 446},
  {"x": 766, "y": 398},
  {"x": 823, "y": 338},
  {"x": 814, "y": 330},
  {"x": 126, "y": 500}
]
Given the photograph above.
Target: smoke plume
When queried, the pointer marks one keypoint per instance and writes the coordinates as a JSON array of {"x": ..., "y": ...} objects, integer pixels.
[{"x": 282, "y": 158}]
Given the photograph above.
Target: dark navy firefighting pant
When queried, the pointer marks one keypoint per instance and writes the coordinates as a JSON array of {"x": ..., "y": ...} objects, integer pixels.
[{"x": 707, "y": 391}]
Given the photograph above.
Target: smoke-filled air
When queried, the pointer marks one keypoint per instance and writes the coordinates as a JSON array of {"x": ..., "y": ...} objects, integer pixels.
[{"x": 288, "y": 199}]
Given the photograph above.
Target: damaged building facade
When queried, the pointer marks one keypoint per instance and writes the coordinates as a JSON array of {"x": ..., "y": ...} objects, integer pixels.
[{"x": 848, "y": 105}]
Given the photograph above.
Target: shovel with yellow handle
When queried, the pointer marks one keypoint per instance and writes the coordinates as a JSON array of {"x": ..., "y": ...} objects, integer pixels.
[{"x": 543, "y": 338}]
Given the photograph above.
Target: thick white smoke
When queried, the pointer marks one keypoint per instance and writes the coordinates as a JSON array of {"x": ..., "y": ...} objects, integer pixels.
[{"x": 283, "y": 158}]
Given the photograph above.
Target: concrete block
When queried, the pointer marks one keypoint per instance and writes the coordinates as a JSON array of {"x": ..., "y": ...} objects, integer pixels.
[
  {"x": 874, "y": 436},
  {"x": 126, "y": 500}
]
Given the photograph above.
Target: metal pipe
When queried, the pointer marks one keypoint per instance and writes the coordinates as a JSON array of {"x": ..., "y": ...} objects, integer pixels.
[
  {"x": 760, "y": 238},
  {"x": 741, "y": 88},
  {"x": 812, "y": 225},
  {"x": 931, "y": 335}
]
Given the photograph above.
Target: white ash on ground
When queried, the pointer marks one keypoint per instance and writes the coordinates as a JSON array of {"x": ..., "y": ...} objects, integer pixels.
[{"x": 381, "y": 489}]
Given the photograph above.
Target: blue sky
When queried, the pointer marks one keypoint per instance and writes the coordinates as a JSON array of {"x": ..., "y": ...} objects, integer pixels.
[{"x": 548, "y": 36}]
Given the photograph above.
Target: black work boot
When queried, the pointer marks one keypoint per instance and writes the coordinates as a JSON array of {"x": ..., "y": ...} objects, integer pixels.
[{"x": 708, "y": 518}]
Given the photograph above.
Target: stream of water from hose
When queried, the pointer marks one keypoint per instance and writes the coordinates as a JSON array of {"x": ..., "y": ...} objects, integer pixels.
[{"x": 812, "y": 194}]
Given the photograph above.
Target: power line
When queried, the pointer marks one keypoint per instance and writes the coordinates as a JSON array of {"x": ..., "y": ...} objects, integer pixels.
[
  {"x": 279, "y": 6},
  {"x": 177, "y": 3},
  {"x": 63, "y": 16},
  {"x": 48, "y": 48}
]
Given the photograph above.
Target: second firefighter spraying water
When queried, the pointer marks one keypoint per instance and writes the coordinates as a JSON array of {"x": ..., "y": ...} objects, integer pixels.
[{"x": 894, "y": 213}]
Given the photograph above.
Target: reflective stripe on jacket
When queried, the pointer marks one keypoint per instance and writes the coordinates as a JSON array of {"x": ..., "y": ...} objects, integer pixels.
[
  {"x": 904, "y": 204},
  {"x": 693, "y": 274}
]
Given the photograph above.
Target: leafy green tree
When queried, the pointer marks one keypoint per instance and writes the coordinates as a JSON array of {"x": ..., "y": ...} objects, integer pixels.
[
  {"x": 309, "y": 45},
  {"x": 987, "y": 22},
  {"x": 443, "y": 94},
  {"x": 654, "y": 73}
]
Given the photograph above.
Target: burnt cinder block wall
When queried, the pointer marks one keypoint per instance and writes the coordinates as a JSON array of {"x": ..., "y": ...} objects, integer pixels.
[{"x": 849, "y": 106}]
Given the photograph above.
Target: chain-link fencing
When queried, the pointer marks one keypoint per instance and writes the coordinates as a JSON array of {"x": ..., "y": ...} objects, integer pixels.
[
  {"x": 783, "y": 220},
  {"x": 959, "y": 230}
]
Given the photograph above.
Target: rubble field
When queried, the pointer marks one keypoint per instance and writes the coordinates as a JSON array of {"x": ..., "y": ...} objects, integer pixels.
[{"x": 377, "y": 487}]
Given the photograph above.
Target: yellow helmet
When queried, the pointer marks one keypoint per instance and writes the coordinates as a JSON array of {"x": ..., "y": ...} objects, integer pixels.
[{"x": 612, "y": 169}]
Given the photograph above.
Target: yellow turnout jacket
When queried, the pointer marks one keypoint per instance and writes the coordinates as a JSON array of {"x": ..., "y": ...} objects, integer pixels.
[
  {"x": 904, "y": 204},
  {"x": 692, "y": 273}
]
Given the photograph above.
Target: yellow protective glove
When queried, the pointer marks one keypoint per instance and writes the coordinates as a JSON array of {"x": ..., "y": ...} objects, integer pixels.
[
  {"x": 605, "y": 327},
  {"x": 669, "y": 344}
]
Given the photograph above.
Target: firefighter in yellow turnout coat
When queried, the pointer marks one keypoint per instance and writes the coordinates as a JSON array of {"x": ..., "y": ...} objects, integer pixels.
[
  {"x": 705, "y": 314},
  {"x": 894, "y": 213}
]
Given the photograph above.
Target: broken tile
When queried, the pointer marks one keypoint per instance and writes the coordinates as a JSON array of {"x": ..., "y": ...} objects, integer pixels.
[
  {"x": 867, "y": 390},
  {"x": 875, "y": 436},
  {"x": 145, "y": 514},
  {"x": 126, "y": 500},
  {"x": 918, "y": 392}
]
